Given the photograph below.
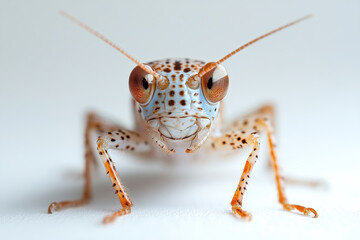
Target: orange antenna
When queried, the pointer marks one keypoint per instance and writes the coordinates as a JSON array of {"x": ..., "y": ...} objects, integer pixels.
[
  {"x": 65, "y": 14},
  {"x": 211, "y": 66}
]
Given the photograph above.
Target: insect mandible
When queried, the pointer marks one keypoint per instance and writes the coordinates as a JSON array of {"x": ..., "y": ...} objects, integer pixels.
[{"x": 178, "y": 107}]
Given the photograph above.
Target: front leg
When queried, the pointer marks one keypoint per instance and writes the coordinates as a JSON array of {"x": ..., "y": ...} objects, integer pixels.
[
  {"x": 119, "y": 140},
  {"x": 113, "y": 137},
  {"x": 260, "y": 121},
  {"x": 235, "y": 140}
]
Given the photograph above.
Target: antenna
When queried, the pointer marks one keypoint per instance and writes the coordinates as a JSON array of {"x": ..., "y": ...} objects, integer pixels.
[
  {"x": 212, "y": 66},
  {"x": 84, "y": 26}
]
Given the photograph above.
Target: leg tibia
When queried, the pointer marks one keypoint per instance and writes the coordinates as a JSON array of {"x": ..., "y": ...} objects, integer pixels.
[
  {"x": 236, "y": 140},
  {"x": 124, "y": 140},
  {"x": 261, "y": 121},
  {"x": 114, "y": 137},
  {"x": 91, "y": 124}
]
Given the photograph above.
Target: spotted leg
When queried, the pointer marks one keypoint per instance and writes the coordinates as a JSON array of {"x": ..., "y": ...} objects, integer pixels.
[
  {"x": 121, "y": 140},
  {"x": 267, "y": 113},
  {"x": 124, "y": 140},
  {"x": 236, "y": 140},
  {"x": 243, "y": 133}
]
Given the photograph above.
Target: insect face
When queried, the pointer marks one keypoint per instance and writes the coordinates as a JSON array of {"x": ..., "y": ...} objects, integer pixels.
[{"x": 186, "y": 106}]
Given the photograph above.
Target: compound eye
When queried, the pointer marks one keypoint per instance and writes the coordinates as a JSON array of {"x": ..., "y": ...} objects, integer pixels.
[
  {"x": 142, "y": 85},
  {"x": 215, "y": 83}
]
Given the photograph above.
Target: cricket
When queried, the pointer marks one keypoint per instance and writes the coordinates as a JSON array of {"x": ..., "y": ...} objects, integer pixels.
[{"x": 178, "y": 109}]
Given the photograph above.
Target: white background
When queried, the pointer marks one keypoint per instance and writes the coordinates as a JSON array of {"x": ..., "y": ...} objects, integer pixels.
[{"x": 52, "y": 72}]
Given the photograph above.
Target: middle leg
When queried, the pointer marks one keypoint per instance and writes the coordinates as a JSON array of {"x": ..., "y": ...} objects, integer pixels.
[{"x": 94, "y": 123}]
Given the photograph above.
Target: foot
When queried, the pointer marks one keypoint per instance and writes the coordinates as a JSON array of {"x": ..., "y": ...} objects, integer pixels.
[
  {"x": 55, "y": 206},
  {"x": 306, "y": 211},
  {"x": 111, "y": 218},
  {"x": 237, "y": 211}
]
